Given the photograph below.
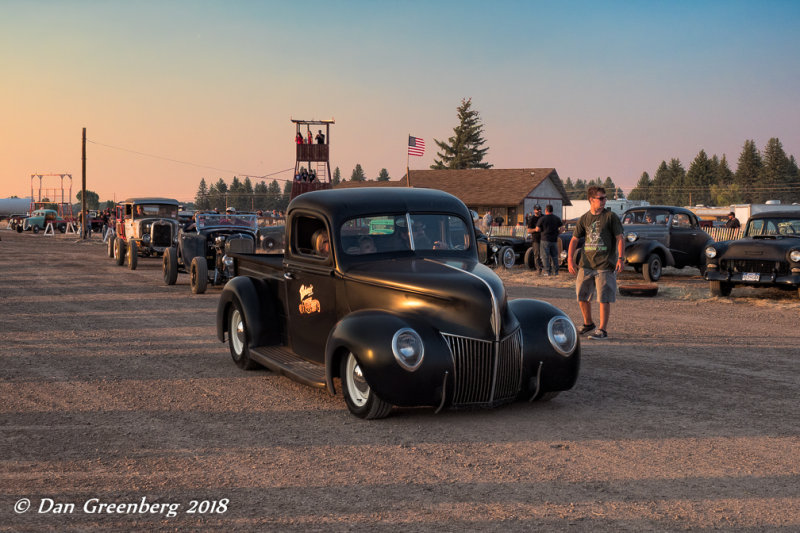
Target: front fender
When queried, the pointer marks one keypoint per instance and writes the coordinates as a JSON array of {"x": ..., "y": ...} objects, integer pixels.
[
  {"x": 637, "y": 253},
  {"x": 368, "y": 335},
  {"x": 559, "y": 372},
  {"x": 260, "y": 308}
]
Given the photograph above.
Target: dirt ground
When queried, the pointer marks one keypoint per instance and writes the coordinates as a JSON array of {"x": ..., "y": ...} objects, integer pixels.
[{"x": 115, "y": 390}]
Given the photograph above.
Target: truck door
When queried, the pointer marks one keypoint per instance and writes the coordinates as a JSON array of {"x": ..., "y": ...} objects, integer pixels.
[
  {"x": 687, "y": 239},
  {"x": 310, "y": 286}
]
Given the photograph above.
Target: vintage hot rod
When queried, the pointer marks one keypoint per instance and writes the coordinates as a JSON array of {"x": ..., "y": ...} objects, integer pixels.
[
  {"x": 384, "y": 290},
  {"x": 145, "y": 227}
]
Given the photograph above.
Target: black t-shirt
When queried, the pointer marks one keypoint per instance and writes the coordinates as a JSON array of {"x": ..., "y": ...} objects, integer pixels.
[
  {"x": 548, "y": 226},
  {"x": 532, "y": 221}
]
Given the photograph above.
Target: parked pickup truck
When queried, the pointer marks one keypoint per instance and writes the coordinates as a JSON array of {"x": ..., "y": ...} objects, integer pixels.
[
  {"x": 383, "y": 289},
  {"x": 658, "y": 236}
]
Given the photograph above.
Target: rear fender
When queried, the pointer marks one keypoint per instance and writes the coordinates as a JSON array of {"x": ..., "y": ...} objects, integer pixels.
[
  {"x": 265, "y": 326},
  {"x": 638, "y": 252}
]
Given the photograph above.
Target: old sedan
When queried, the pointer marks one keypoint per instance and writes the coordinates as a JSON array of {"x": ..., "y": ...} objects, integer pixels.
[
  {"x": 767, "y": 256},
  {"x": 384, "y": 290}
]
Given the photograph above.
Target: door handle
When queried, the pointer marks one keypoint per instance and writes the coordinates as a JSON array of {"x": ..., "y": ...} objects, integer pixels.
[{"x": 288, "y": 275}]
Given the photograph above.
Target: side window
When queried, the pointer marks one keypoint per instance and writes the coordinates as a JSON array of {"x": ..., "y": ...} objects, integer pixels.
[
  {"x": 310, "y": 237},
  {"x": 128, "y": 210}
]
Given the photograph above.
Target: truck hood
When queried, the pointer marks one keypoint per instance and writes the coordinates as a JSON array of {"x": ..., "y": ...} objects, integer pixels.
[
  {"x": 761, "y": 248},
  {"x": 455, "y": 296}
]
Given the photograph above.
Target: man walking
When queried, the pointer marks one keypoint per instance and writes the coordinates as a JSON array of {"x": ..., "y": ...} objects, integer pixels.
[
  {"x": 603, "y": 256},
  {"x": 536, "y": 239},
  {"x": 548, "y": 227}
]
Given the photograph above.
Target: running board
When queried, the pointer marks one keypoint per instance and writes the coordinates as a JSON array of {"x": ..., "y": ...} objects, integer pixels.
[{"x": 283, "y": 361}]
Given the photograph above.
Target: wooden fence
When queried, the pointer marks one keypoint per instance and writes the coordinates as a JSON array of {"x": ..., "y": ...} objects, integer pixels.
[{"x": 718, "y": 234}]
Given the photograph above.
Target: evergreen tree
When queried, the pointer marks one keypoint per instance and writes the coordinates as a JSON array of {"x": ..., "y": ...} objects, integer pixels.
[
  {"x": 659, "y": 188},
  {"x": 358, "y": 173},
  {"x": 611, "y": 189},
  {"x": 383, "y": 175},
  {"x": 465, "y": 148},
  {"x": 748, "y": 170},
  {"x": 274, "y": 196},
  {"x": 699, "y": 178},
  {"x": 286, "y": 197},
  {"x": 201, "y": 198},
  {"x": 677, "y": 194},
  {"x": 724, "y": 173},
  {"x": 642, "y": 189},
  {"x": 337, "y": 176},
  {"x": 92, "y": 199},
  {"x": 775, "y": 175}
]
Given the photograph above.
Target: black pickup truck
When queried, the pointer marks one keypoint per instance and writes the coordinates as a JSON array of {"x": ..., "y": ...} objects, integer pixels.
[{"x": 383, "y": 289}]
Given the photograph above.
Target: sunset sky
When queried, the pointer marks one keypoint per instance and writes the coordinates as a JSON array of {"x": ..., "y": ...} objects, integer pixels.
[{"x": 174, "y": 91}]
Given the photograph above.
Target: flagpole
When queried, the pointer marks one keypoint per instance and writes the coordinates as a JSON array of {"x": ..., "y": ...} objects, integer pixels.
[{"x": 408, "y": 171}]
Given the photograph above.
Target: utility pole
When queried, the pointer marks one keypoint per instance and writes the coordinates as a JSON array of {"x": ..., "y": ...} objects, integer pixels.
[{"x": 84, "y": 214}]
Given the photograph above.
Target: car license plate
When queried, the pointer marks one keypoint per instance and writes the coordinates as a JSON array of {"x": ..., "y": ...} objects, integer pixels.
[{"x": 751, "y": 276}]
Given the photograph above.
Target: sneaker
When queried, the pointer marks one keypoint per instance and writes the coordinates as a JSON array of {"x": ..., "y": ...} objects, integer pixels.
[
  {"x": 586, "y": 328},
  {"x": 599, "y": 334},
  {"x": 546, "y": 274}
]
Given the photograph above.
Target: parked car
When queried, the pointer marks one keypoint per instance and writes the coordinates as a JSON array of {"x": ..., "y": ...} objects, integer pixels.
[
  {"x": 384, "y": 290},
  {"x": 768, "y": 255},
  {"x": 271, "y": 238},
  {"x": 497, "y": 250},
  {"x": 203, "y": 248},
  {"x": 40, "y": 218},
  {"x": 16, "y": 222},
  {"x": 657, "y": 236},
  {"x": 145, "y": 227}
]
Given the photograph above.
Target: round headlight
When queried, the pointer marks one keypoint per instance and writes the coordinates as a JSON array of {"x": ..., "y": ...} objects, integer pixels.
[
  {"x": 711, "y": 252},
  {"x": 146, "y": 238},
  {"x": 220, "y": 239},
  {"x": 408, "y": 349},
  {"x": 794, "y": 255},
  {"x": 632, "y": 236},
  {"x": 562, "y": 334},
  {"x": 227, "y": 261},
  {"x": 495, "y": 248}
]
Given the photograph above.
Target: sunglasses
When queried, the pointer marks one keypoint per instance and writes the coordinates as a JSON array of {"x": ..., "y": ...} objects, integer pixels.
[{"x": 601, "y": 198}]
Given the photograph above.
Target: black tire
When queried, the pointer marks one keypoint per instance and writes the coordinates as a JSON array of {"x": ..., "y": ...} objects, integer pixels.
[
  {"x": 720, "y": 288},
  {"x": 35, "y": 228},
  {"x": 546, "y": 396},
  {"x": 62, "y": 228},
  {"x": 702, "y": 268},
  {"x": 239, "y": 338},
  {"x": 651, "y": 270},
  {"x": 19, "y": 228},
  {"x": 119, "y": 251},
  {"x": 111, "y": 239},
  {"x": 507, "y": 256},
  {"x": 199, "y": 275},
  {"x": 358, "y": 395},
  {"x": 530, "y": 259},
  {"x": 170, "y": 266},
  {"x": 133, "y": 254}
]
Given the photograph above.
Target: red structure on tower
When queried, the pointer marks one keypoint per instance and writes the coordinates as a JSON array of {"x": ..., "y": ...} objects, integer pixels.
[{"x": 313, "y": 156}]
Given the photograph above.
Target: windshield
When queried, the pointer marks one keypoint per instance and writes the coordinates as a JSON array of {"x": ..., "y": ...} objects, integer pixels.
[
  {"x": 646, "y": 216},
  {"x": 773, "y": 226},
  {"x": 155, "y": 210},
  {"x": 214, "y": 220},
  {"x": 389, "y": 233}
]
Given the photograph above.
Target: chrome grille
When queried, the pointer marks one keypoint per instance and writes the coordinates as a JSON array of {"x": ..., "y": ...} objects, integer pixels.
[
  {"x": 486, "y": 372},
  {"x": 239, "y": 244},
  {"x": 752, "y": 265},
  {"x": 161, "y": 234}
]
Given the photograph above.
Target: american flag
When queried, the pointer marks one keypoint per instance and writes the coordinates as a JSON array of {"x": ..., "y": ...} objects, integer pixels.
[{"x": 416, "y": 146}]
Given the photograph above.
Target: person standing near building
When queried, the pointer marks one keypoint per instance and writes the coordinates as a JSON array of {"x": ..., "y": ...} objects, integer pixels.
[
  {"x": 602, "y": 258},
  {"x": 548, "y": 227},
  {"x": 732, "y": 221},
  {"x": 536, "y": 239}
]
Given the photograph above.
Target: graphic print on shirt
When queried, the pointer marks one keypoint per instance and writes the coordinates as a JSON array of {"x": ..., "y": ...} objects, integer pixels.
[{"x": 594, "y": 242}]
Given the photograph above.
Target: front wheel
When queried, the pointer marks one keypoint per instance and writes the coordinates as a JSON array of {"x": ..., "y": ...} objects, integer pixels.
[
  {"x": 199, "y": 275},
  {"x": 720, "y": 288},
  {"x": 359, "y": 397},
  {"x": 170, "y": 266},
  {"x": 238, "y": 339},
  {"x": 36, "y": 229},
  {"x": 119, "y": 251},
  {"x": 507, "y": 256},
  {"x": 651, "y": 270},
  {"x": 133, "y": 254}
]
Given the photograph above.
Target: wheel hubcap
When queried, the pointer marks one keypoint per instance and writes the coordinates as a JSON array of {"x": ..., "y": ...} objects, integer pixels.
[
  {"x": 356, "y": 384},
  {"x": 237, "y": 333}
]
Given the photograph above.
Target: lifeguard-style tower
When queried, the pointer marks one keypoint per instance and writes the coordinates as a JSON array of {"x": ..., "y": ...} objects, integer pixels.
[
  {"x": 315, "y": 153},
  {"x": 49, "y": 197}
]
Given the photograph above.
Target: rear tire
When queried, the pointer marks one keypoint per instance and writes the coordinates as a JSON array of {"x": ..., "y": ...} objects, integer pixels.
[
  {"x": 651, "y": 270},
  {"x": 119, "y": 251},
  {"x": 720, "y": 288},
  {"x": 133, "y": 255},
  {"x": 199, "y": 275},
  {"x": 170, "y": 266},
  {"x": 359, "y": 397},
  {"x": 530, "y": 259},
  {"x": 239, "y": 339},
  {"x": 35, "y": 228},
  {"x": 111, "y": 239}
]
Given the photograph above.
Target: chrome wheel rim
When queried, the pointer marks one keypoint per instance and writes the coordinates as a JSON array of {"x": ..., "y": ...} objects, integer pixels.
[
  {"x": 237, "y": 333},
  {"x": 508, "y": 258},
  {"x": 357, "y": 386}
]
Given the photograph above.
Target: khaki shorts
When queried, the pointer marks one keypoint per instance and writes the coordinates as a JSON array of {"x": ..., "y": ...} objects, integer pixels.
[{"x": 601, "y": 282}]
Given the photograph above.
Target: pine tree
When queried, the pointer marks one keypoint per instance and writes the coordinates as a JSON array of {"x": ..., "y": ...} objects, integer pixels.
[
  {"x": 337, "y": 177},
  {"x": 260, "y": 193},
  {"x": 465, "y": 148},
  {"x": 659, "y": 188},
  {"x": 699, "y": 178},
  {"x": 748, "y": 170},
  {"x": 201, "y": 198},
  {"x": 383, "y": 175},
  {"x": 775, "y": 173},
  {"x": 274, "y": 197},
  {"x": 358, "y": 173},
  {"x": 286, "y": 197},
  {"x": 724, "y": 172},
  {"x": 677, "y": 193},
  {"x": 642, "y": 189}
]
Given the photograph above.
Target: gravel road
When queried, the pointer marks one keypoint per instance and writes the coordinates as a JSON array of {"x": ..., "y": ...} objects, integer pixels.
[{"x": 119, "y": 409}]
